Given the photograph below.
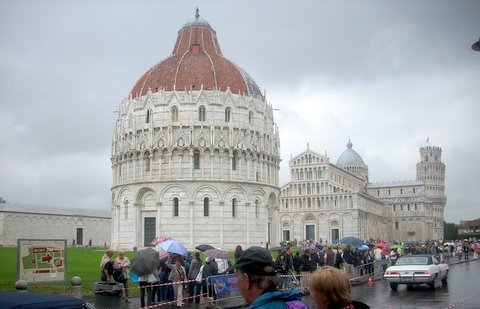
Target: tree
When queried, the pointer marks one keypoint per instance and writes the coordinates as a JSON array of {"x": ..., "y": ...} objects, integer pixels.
[
  {"x": 450, "y": 231},
  {"x": 2, "y": 200}
]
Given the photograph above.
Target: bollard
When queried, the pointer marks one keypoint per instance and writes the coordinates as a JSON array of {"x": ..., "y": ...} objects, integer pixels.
[
  {"x": 76, "y": 287},
  {"x": 21, "y": 286}
]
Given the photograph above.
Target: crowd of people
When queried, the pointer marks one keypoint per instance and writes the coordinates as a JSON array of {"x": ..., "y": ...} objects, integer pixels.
[{"x": 265, "y": 282}]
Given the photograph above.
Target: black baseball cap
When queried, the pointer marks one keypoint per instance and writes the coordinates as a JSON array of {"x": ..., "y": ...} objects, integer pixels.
[{"x": 256, "y": 261}]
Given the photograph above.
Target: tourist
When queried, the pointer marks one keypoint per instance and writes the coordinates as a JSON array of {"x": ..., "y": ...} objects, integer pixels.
[
  {"x": 177, "y": 276},
  {"x": 348, "y": 258},
  {"x": 209, "y": 269},
  {"x": 122, "y": 264},
  {"x": 330, "y": 288},
  {"x": 145, "y": 283},
  {"x": 195, "y": 266},
  {"x": 466, "y": 250},
  {"x": 281, "y": 267},
  {"x": 329, "y": 257},
  {"x": 106, "y": 266},
  {"x": 257, "y": 281}
]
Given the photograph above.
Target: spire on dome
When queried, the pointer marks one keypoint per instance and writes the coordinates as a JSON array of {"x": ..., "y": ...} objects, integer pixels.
[{"x": 197, "y": 13}]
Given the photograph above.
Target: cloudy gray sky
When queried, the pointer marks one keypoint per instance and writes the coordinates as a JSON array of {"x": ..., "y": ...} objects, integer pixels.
[{"x": 386, "y": 74}]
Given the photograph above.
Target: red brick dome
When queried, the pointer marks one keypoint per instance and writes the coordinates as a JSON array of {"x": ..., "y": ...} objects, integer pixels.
[{"x": 196, "y": 62}]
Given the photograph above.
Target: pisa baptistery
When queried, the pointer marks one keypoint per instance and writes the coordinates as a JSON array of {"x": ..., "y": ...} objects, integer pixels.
[{"x": 195, "y": 152}]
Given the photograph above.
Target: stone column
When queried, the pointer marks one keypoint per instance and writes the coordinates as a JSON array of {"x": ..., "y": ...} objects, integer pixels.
[
  {"x": 222, "y": 206},
  {"x": 192, "y": 222}
]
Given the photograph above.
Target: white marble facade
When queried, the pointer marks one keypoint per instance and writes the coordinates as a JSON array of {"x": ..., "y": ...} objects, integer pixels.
[
  {"x": 189, "y": 151},
  {"x": 80, "y": 226},
  {"x": 326, "y": 201}
]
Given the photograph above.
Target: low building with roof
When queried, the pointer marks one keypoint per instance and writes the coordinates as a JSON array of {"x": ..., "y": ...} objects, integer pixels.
[
  {"x": 78, "y": 226},
  {"x": 326, "y": 201}
]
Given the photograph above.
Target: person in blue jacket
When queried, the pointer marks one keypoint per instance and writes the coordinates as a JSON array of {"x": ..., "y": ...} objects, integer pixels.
[{"x": 257, "y": 280}]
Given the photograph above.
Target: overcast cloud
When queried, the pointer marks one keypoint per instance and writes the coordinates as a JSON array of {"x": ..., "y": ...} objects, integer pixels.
[{"x": 386, "y": 74}]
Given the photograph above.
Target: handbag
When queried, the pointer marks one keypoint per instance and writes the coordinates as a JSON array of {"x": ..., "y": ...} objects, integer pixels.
[{"x": 198, "y": 279}]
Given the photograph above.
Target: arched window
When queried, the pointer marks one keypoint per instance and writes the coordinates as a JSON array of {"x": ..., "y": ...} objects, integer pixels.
[
  {"x": 206, "y": 204},
  {"x": 126, "y": 208},
  {"x": 228, "y": 112},
  {"x": 196, "y": 159},
  {"x": 234, "y": 206},
  {"x": 174, "y": 113},
  {"x": 256, "y": 208},
  {"x": 396, "y": 225},
  {"x": 234, "y": 160},
  {"x": 130, "y": 121},
  {"x": 175, "y": 206},
  {"x": 201, "y": 113},
  {"x": 149, "y": 116},
  {"x": 147, "y": 162},
  {"x": 250, "y": 117}
]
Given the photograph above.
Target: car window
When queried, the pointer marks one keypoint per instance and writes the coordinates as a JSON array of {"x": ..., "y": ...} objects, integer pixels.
[{"x": 412, "y": 260}]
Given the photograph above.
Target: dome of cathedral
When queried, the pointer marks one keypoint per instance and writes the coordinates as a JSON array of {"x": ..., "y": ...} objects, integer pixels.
[
  {"x": 196, "y": 63},
  {"x": 350, "y": 157}
]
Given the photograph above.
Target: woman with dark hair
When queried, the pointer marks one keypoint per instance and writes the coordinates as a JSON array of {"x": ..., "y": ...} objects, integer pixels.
[{"x": 238, "y": 251}]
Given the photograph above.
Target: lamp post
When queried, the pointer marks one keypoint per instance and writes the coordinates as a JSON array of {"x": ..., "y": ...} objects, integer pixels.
[{"x": 476, "y": 46}]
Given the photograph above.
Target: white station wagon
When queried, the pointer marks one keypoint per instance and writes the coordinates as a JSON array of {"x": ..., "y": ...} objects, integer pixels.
[{"x": 416, "y": 269}]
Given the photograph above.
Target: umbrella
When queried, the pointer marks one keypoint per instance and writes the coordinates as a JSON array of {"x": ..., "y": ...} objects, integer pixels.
[
  {"x": 396, "y": 246},
  {"x": 449, "y": 244},
  {"x": 381, "y": 245},
  {"x": 172, "y": 246},
  {"x": 217, "y": 254},
  {"x": 276, "y": 248},
  {"x": 145, "y": 262},
  {"x": 319, "y": 246},
  {"x": 204, "y": 248},
  {"x": 363, "y": 248},
  {"x": 160, "y": 239},
  {"x": 350, "y": 240}
]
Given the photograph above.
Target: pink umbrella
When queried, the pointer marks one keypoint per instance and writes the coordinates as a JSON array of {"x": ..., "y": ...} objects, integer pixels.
[
  {"x": 381, "y": 245},
  {"x": 217, "y": 254},
  {"x": 160, "y": 239}
]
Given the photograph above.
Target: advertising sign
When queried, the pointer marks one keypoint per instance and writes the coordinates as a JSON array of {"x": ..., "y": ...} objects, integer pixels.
[{"x": 42, "y": 260}]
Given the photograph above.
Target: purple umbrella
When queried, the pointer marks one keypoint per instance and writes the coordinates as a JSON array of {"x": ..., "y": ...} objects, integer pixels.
[{"x": 173, "y": 246}]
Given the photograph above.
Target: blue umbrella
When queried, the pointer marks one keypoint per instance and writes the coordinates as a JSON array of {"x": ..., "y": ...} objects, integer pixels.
[
  {"x": 363, "y": 248},
  {"x": 350, "y": 240},
  {"x": 173, "y": 246}
]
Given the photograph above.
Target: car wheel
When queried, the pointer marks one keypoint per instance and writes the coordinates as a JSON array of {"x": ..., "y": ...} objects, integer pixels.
[
  {"x": 445, "y": 279},
  {"x": 393, "y": 286},
  {"x": 433, "y": 284},
  {"x": 409, "y": 287}
]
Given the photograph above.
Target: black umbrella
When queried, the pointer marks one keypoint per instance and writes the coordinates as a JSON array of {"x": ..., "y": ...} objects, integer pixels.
[
  {"x": 204, "y": 248},
  {"x": 145, "y": 262}
]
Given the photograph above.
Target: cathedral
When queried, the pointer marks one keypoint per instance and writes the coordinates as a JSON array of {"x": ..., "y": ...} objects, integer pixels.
[
  {"x": 196, "y": 156},
  {"x": 326, "y": 202},
  {"x": 195, "y": 152}
]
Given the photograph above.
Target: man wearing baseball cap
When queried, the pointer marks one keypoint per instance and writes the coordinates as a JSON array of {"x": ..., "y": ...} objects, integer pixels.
[{"x": 257, "y": 280}]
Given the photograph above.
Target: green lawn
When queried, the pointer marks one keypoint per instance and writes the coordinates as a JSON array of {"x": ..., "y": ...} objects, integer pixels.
[{"x": 82, "y": 262}]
